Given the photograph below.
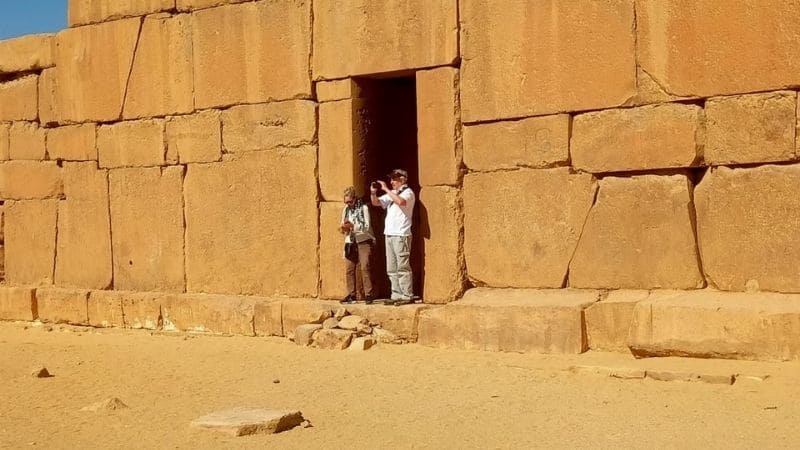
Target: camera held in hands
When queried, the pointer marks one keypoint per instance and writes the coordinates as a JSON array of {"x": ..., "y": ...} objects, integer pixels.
[{"x": 375, "y": 185}]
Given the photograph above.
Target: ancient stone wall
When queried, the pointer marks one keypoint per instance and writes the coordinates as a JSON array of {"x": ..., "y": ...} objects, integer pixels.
[{"x": 190, "y": 147}]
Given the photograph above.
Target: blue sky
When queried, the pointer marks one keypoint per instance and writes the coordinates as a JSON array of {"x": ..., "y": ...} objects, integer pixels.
[{"x": 19, "y": 17}]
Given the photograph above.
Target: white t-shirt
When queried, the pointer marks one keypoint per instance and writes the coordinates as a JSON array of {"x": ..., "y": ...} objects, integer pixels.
[{"x": 398, "y": 218}]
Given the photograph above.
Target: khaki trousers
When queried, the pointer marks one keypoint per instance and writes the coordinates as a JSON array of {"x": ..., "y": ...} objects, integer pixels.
[
  {"x": 398, "y": 266},
  {"x": 362, "y": 259}
]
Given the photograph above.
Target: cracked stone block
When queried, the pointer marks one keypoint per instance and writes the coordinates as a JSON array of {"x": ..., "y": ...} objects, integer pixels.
[
  {"x": 27, "y": 53},
  {"x": 438, "y": 126},
  {"x": 608, "y": 321},
  {"x": 503, "y": 251},
  {"x": 139, "y": 309},
  {"x": 81, "y": 12},
  {"x": 194, "y": 138},
  {"x": 30, "y": 241},
  {"x": 136, "y": 143},
  {"x": 267, "y": 126},
  {"x": 445, "y": 272},
  {"x": 531, "y": 142},
  {"x": 523, "y": 57},
  {"x": 73, "y": 143},
  {"x": 105, "y": 310},
  {"x": 227, "y": 314},
  {"x": 61, "y": 305}
]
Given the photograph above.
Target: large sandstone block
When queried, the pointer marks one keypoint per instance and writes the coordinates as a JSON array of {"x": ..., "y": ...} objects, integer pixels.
[
  {"x": 329, "y": 91},
  {"x": 746, "y": 226},
  {"x": 147, "y": 228},
  {"x": 525, "y": 236},
  {"x": 4, "y": 142},
  {"x": 17, "y": 303},
  {"x": 22, "y": 180},
  {"x": 341, "y": 147},
  {"x": 510, "y": 320},
  {"x": 105, "y": 310},
  {"x": 534, "y": 57},
  {"x": 648, "y": 137},
  {"x": 26, "y": 141},
  {"x": 331, "y": 253},
  {"x": 267, "y": 319},
  {"x": 438, "y": 126},
  {"x": 251, "y": 53},
  {"x": 703, "y": 49},
  {"x": 364, "y": 36},
  {"x": 270, "y": 125},
  {"x": 244, "y": 233},
  {"x": 442, "y": 217},
  {"x": 139, "y": 309},
  {"x": 209, "y": 313},
  {"x": 83, "y": 259},
  {"x": 19, "y": 99},
  {"x": 532, "y": 142},
  {"x": 30, "y": 241},
  {"x": 161, "y": 79},
  {"x": 194, "y": 138},
  {"x": 59, "y": 305},
  {"x": 73, "y": 143},
  {"x": 94, "y": 64},
  {"x": 27, "y": 53},
  {"x": 48, "y": 98},
  {"x": 402, "y": 322},
  {"x": 713, "y": 324},
  {"x": 92, "y": 11},
  {"x": 751, "y": 128},
  {"x": 608, "y": 321},
  {"x": 135, "y": 143},
  {"x": 630, "y": 244}
]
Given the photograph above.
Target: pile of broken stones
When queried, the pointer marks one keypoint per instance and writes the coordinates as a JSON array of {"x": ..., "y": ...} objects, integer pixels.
[{"x": 340, "y": 330}]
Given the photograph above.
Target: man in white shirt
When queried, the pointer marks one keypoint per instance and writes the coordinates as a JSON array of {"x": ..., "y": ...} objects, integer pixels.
[{"x": 398, "y": 201}]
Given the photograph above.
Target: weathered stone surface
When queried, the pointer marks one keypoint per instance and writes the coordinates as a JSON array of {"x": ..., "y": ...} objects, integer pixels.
[
  {"x": 401, "y": 322},
  {"x": 713, "y": 324},
  {"x": 341, "y": 143},
  {"x": 352, "y": 322},
  {"x": 319, "y": 316},
  {"x": 331, "y": 322},
  {"x": 268, "y": 126},
  {"x": 532, "y": 142},
  {"x": 94, "y": 63},
  {"x": 30, "y": 241},
  {"x": 195, "y": 138},
  {"x": 267, "y": 58},
  {"x": 609, "y": 320},
  {"x": 189, "y": 5},
  {"x": 523, "y": 57},
  {"x": 135, "y": 143},
  {"x": 295, "y": 311},
  {"x": 83, "y": 258},
  {"x": 27, "y": 53},
  {"x": 147, "y": 228},
  {"x": 361, "y": 343},
  {"x": 228, "y": 314},
  {"x": 648, "y": 137},
  {"x": 445, "y": 270},
  {"x": 438, "y": 126},
  {"x": 19, "y": 99},
  {"x": 510, "y": 320},
  {"x": 331, "y": 252},
  {"x": 139, "y": 309},
  {"x": 304, "y": 333},
  {"x": 746, "y": 226},
  {"x": 105, "y": 310},
  {"x": 385, "y": 336},
  {"x": 246, "y": 421},
  {"x": 92, "y": 11},
  {"x": 328, "y": 91},
  {"x": 245, "y": 200},
  {"x": 26, "y": 141},
  {"x": 59, "y": 305},
  {"x": 332, "y": 339},
  {"x": 72, "y": 143},
  {"x": 702, "y": 49},
  {"x": 22, "y": 180},
  {"x": 17, "y": 303},
  {"x": 4, "y": 130},
  {"x": 751, "y": 128},
  {"x": 267, "y": 319},
  {"x": 161, "y": 79},
  {"x": 362, "y": 37},
  {"x": 48, "y": 99},
  {"x": 630, "y": 244},
  {"x": 504, "y": 250}
]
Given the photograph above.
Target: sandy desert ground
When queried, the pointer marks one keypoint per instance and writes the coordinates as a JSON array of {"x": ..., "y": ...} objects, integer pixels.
[{"x": 388, "y": 397}]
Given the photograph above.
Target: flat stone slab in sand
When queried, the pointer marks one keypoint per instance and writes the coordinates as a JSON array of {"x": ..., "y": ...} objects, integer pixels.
[{"x": 245, "y": 421}]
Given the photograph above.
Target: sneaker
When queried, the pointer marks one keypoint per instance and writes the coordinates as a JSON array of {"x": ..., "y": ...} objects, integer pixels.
[
  {"x": 368, "y": 299},
  {"x": 348, "y": 299},
  {"x": 403, "y": 301}
]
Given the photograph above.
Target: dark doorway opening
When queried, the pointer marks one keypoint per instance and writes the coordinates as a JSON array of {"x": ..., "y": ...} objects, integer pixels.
[{"x": 387, "y": 125}]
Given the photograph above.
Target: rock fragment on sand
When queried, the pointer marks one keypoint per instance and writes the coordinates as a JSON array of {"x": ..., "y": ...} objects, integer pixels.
[
  {"x": 361, "y": 344},
  {"x": 330, "y": 323},
  {"x": 40, "y": 372},
  {"x": 109, "y": 404},
  {"x": 334, "y": 339},
  {"x": 246, "y": 421},
  {"x": 352, "y": 322},
  {"x": 317, "y": 317},
  {"x": 304, "y": 334}
]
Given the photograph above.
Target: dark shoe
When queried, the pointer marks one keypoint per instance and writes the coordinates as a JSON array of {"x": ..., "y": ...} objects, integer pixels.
[
  {"x": 348, "y": 299},
  {"x": 403, "y": 301},
  {"x": 369, "y": 299}
]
